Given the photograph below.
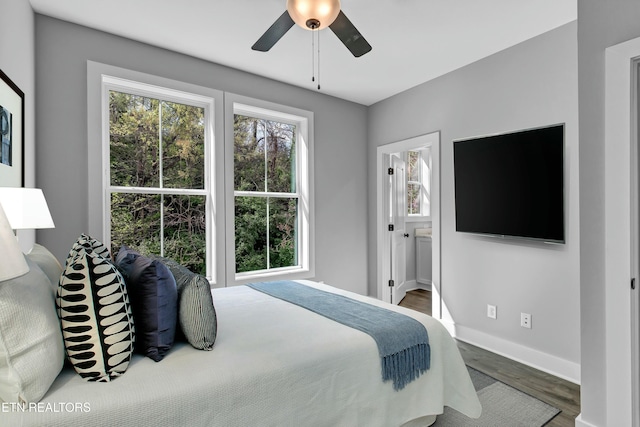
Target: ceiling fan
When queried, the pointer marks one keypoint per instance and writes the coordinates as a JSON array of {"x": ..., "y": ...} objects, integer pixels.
[{"x": 315, "y": 15}]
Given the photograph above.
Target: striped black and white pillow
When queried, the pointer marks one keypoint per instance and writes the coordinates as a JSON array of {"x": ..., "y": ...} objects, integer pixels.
[
  {"x": 95, "y": 316},
  {"x": 196, "y": 313}
]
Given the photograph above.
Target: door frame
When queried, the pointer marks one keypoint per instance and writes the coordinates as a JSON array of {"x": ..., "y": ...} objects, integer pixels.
[
  {"x": 621, "y": 234},
  {"x": 383, "y": 238},
  {"x": 635, "y": 242}
]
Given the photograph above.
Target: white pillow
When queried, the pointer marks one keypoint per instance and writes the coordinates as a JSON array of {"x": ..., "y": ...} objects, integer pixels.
[{"x": 31, "y": 346}]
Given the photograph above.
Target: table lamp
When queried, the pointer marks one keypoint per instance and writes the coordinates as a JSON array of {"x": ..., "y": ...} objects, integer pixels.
[
  {"x": 12, "y": 262},
  {"x": 25, "y": 208}
]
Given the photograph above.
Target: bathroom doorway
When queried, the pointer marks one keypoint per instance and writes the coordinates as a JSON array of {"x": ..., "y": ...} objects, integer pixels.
[{"x": 421, "y": 157}]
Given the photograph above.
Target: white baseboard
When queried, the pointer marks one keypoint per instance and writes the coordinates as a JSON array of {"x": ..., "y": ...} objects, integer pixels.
[
  {"x": 407, "y": 286},
  {"x": 400, "y": 291},
  {"x": 581, "y": 423},
  {"x": 412, "y": 285},
  {"x": 545, "y": 362}
]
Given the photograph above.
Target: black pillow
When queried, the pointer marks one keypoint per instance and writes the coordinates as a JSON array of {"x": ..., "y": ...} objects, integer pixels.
[{"x": 154, "y": 301}]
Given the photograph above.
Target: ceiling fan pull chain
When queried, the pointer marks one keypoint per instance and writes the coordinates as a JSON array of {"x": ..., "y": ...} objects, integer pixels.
[
  {"x": 313, "y": 57},
  {"x": 318, "y": 60}
]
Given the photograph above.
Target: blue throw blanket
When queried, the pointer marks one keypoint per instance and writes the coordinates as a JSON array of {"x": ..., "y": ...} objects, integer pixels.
[{"x": 403, "y": 343}]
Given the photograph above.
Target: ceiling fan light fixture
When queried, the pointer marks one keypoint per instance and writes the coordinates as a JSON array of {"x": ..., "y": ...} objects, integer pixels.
[{"x": 313, "y": 14}]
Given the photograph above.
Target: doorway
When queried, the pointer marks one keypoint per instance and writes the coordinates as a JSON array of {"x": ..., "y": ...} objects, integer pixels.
[{"x": 388, "y": 220}]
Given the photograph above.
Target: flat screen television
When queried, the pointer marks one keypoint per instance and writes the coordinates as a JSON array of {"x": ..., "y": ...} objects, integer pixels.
[{"x": 511, "y": 184}]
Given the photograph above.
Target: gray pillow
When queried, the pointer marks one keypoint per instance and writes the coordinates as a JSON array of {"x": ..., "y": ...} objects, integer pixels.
[
  {"x": 47, "y": 262},
  {"x": 31, "y": 347},
  {"x": 196, "y": 313}
]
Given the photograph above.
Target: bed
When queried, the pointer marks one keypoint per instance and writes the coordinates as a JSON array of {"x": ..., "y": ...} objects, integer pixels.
[{"x": 273, "y": 364}]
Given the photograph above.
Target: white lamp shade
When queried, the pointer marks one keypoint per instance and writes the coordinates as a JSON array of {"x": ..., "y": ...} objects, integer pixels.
[
  {"x": 25, "y": 208},
  {"x": 323, "y": 11},
  {"x": 12, "y": 262}
]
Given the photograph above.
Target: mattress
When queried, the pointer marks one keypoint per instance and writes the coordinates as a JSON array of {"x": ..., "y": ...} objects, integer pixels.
[{"x": 273, "y": 364}]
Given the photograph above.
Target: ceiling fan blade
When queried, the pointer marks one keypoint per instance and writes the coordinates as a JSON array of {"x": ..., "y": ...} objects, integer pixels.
[
  {"x": 274, "y": 33},
  {"x": 349, "y": 35}
]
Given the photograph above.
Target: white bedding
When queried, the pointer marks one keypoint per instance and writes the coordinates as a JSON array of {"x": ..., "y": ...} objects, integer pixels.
[{"x": 273, "y": 364}]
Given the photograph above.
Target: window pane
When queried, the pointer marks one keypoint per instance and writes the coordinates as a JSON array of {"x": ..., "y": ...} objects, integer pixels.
[
  {"x": 264, "y": 155},
  {"x": 413, "y": 199},
  {"x": 249, "y": 154},
  {"x": 280, "y": 157},
  {"x": 266, "y": 233},
  {"x": 426, "y": 183},
  {"x": 185, "y": 239},
  {"x": 283, "y": 214},
  {"x": 133, "y": 140},
  {"x": 182, "y": 146},
  {"x": 413, "y": 165},
  {"x": 251, "y": 233},
  {"x": 136, "y": 221}
]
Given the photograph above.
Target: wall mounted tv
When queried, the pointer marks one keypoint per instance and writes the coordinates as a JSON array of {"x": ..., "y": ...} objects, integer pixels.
[{"x": 511, "y": 184}]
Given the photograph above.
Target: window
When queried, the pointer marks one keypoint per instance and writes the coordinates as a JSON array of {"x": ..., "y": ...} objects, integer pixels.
[
  {"x": 272, "y": 213},
  {"x": 159, "y": 182},
  {"x": 414, "y": 182},
  {"x": 158, "y": 191},
  {"x": 418, "y": 183},
  {"x": 265, "y": 196}
]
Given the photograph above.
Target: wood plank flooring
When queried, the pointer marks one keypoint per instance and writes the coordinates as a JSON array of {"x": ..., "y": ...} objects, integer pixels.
[{"x": 552, "y": 390}]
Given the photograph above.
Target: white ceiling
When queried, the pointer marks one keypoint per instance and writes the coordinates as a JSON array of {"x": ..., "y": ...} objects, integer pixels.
[{"x": 413, "y": 40}]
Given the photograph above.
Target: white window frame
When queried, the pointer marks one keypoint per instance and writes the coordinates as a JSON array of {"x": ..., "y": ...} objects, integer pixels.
[
  {"x": 101, "y": 79},
  {"x": 303, "y": 121}
]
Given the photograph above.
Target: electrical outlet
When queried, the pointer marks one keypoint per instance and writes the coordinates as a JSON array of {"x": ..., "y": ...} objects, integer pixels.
[
  {"x": 492, "y": 311},
  {"x": 525, "y": 320}
]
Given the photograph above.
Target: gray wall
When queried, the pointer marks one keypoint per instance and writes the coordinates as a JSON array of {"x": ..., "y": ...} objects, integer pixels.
[
  {"x": 62, "y": 51},
  {"x": 600, "y": 25},
  {"x": 531, "y": 84},
  {"x": 17, "y": 61}
]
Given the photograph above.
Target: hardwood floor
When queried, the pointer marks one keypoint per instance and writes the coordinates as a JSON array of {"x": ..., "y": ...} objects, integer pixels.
[{"x": 552, "y": 390}]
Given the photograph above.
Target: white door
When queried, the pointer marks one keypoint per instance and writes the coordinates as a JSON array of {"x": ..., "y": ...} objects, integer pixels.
[{"x": 398, "y": 212}]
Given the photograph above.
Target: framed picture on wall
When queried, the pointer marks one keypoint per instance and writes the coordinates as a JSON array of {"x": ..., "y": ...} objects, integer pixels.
[{"x": 11, "y": 133}]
